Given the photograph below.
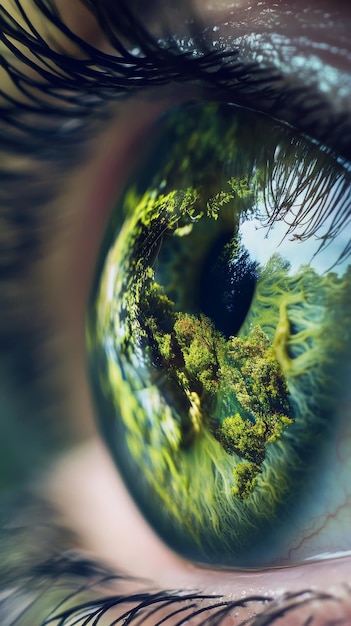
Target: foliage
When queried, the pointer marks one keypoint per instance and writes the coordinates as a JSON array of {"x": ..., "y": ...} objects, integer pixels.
[
  {"x": 240, "y": 436},
  {"x": 248, "y": 439},
  {"x": 199, "y": 365},
  {"x": 240, "y": 186},
  {"x": 245, "y": 476},
  {"x": 203, "y": 350},
  {"x": 255, "y": 375},
  {"x": 155, "y": 304},
  {"x": 198, "y": 360}
]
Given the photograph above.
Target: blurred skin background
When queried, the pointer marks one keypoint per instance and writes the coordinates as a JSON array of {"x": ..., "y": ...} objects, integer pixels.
[{"x": 64, "y": 509}]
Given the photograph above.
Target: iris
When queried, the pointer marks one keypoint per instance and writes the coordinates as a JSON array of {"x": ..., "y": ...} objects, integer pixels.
[{"x": 218, "y": 332}]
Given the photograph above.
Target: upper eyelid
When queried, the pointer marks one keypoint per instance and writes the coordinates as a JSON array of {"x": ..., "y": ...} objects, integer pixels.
[{"x": 78, "y": 88}]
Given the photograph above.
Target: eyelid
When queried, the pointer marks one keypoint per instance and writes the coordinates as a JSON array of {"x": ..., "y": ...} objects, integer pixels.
[
  {"x": 237, "y": 70},
  {"x": 261, "y": 83},
  {"x": 77, "y": 496}
]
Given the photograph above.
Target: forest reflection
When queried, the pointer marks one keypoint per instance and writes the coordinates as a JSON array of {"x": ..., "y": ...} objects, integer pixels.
[{"x": 230, "y": 355}]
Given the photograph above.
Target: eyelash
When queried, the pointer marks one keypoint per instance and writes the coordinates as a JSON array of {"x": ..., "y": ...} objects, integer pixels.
[
  {"x": 69, "y": 100},
  {"x": 123, "y": 77},
  {"x": 83, "y": 576},
  {"x": 80, "y": 89}
]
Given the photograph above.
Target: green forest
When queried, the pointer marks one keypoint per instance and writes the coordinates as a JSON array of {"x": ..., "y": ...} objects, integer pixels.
[
  {"x": 231, "y": 385},
  {"x": 203, "y": 366},
  {"x": 218, "y": 333}
]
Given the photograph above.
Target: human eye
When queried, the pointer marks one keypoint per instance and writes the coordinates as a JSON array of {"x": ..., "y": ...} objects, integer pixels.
[{"x": 257, "y": 81}]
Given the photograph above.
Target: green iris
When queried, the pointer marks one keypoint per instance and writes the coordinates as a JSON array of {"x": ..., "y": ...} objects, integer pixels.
[{"x": 218, "y": 331}]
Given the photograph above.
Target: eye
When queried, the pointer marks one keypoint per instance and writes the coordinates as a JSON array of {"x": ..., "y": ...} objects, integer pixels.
[{"x": 219, "y": 339}]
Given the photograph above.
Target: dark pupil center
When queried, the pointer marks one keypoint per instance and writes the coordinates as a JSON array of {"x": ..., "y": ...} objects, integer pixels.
[{"x": 227, "y": 284}]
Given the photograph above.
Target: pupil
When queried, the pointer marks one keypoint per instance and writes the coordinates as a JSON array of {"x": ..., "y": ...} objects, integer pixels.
[{"x": 227, "y": 284}]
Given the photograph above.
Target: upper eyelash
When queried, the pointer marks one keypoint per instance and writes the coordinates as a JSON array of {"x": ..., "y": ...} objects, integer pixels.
[
  {"x": 316, "y": 208},
  {"x": 70, "y": 88},
  {"x": 78, "y": 89},
  {"x": 106, "y": 76}
]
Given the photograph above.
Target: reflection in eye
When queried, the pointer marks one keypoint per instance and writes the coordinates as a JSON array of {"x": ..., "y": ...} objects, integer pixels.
[{"x": 218, "y": 334}]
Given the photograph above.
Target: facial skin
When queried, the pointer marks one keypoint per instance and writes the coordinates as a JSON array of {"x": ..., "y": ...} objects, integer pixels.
[{"x": 77, "y": 504}]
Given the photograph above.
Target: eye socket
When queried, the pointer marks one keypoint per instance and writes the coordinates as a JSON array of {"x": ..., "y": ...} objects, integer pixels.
[{"x": 219, "y": 338}]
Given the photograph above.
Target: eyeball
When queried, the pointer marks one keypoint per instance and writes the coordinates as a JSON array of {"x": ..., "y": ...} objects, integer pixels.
[{"x": 219, "y": 339}]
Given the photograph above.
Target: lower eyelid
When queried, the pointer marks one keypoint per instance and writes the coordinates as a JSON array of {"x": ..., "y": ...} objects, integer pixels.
[{"x": 93, "y": 502}]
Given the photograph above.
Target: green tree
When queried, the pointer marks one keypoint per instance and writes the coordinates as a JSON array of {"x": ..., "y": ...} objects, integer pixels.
[
  {"x": 156, "y": 318},
  {"x": 240, "y": 436},
  {"x": 203, "y": 350},
  {"x": 248, "y": 439},
  {"x": 154, "y": 304},
  {"x": 254, "y": 374},
  {"x": 245, "y": 476}
]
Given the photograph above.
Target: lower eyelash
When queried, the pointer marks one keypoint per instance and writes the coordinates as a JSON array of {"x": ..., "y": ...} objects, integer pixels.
[
  {"x": 134, "y": 608},
  {"x": 53, "y": 585}
]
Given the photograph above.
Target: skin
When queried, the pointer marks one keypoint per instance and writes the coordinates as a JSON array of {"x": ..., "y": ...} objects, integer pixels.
[{"x": 82, "y": 482}]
